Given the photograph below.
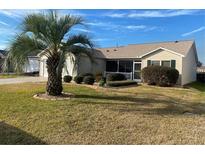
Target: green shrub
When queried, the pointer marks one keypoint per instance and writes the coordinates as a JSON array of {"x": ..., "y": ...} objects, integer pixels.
[
  {"x": 67, "y": 78},
  {"x": 121, "y": 83},
  {"x": 78, "y": 79},
  {"x": 115, "y": 77},
  {"x": 88, "y": 80},
  {"x": 86, "y": 74},
  {"x": 102, "y": 82},
  {"x": 160, "y": 75},
  {"x": 98, "y": 77}
]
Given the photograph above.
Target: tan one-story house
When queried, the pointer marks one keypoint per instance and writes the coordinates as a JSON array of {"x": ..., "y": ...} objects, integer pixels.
[{"x": 131, "y": 59}]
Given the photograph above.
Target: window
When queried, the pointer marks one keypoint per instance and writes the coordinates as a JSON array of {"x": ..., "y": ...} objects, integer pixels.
[
  {"x": 125, "y": 66},
  {"x": 111, "y": 66},
  {"x": 155, "y": 63},
  {"x": 166, "y": 63}
]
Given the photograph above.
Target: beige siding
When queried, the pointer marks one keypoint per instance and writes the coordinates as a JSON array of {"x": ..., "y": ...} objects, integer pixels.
[
  {"x": 70, "y": 69},
  {"x": 43, "y": 69},
  {"x": 84, "y": 65},
  {"x": 189, "y": 67},
  {"x": 164, "y": 55}
]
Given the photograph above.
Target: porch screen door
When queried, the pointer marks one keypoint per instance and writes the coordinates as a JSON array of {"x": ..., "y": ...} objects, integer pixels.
[{"x": 137, "y": 71}]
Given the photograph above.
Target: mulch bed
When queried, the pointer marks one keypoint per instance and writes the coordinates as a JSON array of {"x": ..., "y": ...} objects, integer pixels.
[{"x": 44, "y": 96}]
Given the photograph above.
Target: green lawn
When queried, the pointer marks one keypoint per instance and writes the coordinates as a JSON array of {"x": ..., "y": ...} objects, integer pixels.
[
  {"x": 5, "y": 76},
  {"x": 199, "y": 86},
  {"x": 135, "y": 115}
]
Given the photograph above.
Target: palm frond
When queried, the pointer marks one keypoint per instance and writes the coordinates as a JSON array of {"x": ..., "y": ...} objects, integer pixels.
[
  {"x": 80, "y": 50},
  {"x": 80, "y": 39},
  {"x": 67, "y": 22},
  {"x": 20, "y": 49}
]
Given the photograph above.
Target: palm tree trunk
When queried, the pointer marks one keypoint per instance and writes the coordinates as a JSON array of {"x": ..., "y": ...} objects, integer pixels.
[{"x": 54, "y": 84}]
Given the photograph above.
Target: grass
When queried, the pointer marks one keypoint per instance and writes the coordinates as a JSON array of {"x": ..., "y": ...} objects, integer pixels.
[
  {"x": 5, "y": 76},
  {"x": 129, "y": 115},
  {"x": 197, "y": 85}
]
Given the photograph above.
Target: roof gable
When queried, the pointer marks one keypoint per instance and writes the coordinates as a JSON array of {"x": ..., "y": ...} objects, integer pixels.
[
  {"x": 139, "y": 50},
  {"x": 161, "y": 49}
]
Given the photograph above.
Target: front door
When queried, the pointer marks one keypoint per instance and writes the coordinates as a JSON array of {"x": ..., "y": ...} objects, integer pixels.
[{"x": 137, "y": 71}]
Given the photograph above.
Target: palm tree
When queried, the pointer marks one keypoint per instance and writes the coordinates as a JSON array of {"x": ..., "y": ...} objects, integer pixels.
[{"x": 49, "y": 35}]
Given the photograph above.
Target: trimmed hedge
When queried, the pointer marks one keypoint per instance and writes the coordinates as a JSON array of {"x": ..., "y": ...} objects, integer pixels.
[
  {"x": 86, "y": 74},
  {"x": 89, "y": 80},
  {"x": 160, "y": 75},
  {"x": 102, "y": 82},
  {"x": 121, "y": 83},
  {"x": 67, "y": 78},
  {"x": 78, "y": 79},
  {"x": 115, "y": 77}
]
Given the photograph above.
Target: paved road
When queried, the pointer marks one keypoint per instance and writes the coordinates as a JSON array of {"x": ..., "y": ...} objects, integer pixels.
[{"x": 22, "y": 80}]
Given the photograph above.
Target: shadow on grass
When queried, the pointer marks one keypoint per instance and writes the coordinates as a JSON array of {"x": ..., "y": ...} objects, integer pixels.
[
  {"x": 10, "y": 135},
  {"x": 197, "y": 85},
  {"x": 165, "y": 106}
]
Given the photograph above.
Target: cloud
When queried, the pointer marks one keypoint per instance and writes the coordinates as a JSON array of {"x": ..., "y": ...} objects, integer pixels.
[
  {"x": 142, "y": 27},
  {"x": 117, "y": 15},
  {"x": 118, "y": 27},
  {"x": 18, "y": 13},
  {"x": 82, "y": 30},
  {"x": 105, "y": 26},
  {"x": 96, "y": 24},
  {"x": 194, "y": 31},
  {"x": 3, "y": 23},
  {"x": 153, "y": 14},
  {"x": 72, "y": 12},
  {"x": 101, "y": 39},
  {"x": 136, "y": 27}
]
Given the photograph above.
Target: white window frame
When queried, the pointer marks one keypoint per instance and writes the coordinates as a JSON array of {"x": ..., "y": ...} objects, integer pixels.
[
  {"x": 166, "y": 60},
  {"x": 160, "y": 62},
  {"x": 156, "y": 60}
]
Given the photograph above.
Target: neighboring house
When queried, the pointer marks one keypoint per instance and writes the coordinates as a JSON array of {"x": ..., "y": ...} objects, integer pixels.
[
  {"x": 201, "y": 69},
  {"x": 32, "y": 66},
  {"x": 201, "y": 74},
  {"x": 2, "y": 57},
  {"x": 131, "y": 59}
]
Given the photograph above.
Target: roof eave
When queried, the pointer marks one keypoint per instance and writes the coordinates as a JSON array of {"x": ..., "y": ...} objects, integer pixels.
[{"x": 150, "y": 52}]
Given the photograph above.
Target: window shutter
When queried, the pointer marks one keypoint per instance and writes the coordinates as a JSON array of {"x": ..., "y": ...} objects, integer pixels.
[
  {"x": 148, "y": 62},
  {"x": 173, "y": 63}
]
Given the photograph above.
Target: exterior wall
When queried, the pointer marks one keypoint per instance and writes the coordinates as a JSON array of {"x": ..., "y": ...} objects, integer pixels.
[
  {"x": 189, "y": 67},
  {"x": 43, "y": 69},
  {"x": 83, "y": 65},
  {"x": 165, "y": 55},
  {"x": 86, "y": 66},
  {"x": 33, "y": 65},
  {"x": 71, "y": 67}
]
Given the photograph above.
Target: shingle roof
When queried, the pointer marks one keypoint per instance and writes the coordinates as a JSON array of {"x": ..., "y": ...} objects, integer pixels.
[{"x": 138, "y": 50}]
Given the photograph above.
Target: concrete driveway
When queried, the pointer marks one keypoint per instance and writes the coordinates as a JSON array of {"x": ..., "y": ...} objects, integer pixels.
[{"x": 22, "y": 80}]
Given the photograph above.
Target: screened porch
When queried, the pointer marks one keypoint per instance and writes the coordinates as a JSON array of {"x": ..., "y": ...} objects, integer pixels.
[{"x": 130, "y": 68}]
